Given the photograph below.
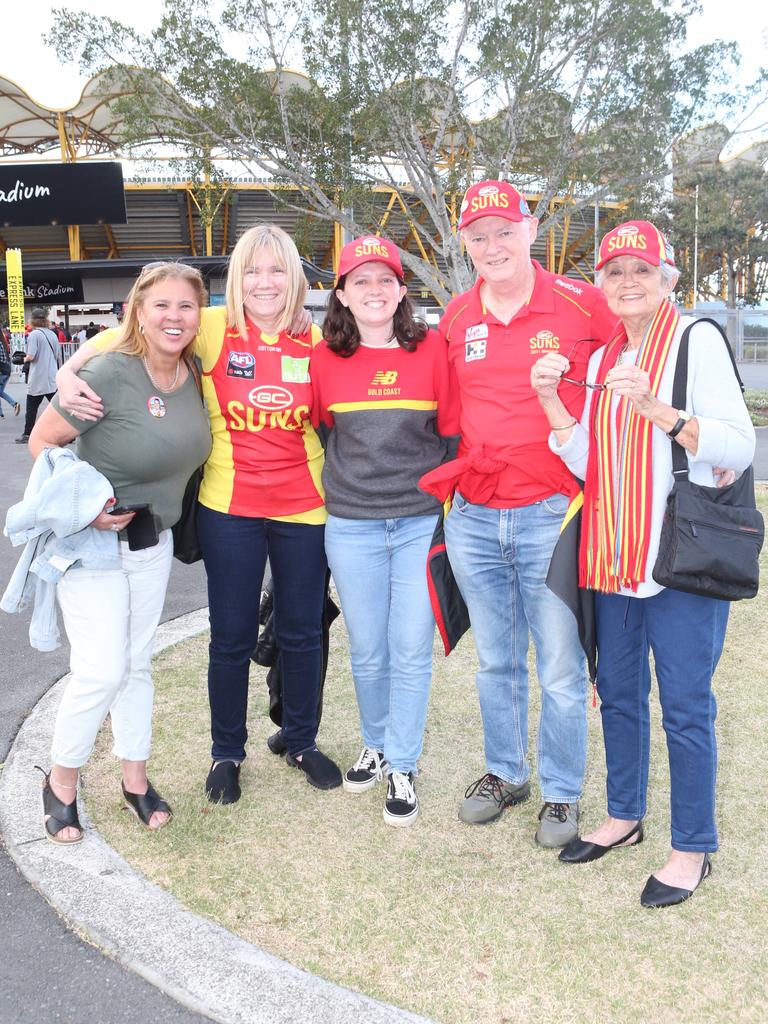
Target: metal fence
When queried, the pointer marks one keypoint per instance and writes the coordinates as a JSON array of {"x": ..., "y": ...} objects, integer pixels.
[{"x": 747, "y": 331}]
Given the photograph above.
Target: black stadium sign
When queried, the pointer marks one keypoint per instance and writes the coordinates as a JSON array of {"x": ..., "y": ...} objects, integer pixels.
[
  {"x": 59, "y": 288},
  {"x": 32, "y": 195}
]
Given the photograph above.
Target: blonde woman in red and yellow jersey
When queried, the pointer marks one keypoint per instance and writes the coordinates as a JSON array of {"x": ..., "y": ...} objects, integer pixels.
[{"x": 261, "y": 497}]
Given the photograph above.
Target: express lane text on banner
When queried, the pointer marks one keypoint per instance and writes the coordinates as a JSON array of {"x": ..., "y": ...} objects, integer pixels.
[{"x": 15, "y": 291}]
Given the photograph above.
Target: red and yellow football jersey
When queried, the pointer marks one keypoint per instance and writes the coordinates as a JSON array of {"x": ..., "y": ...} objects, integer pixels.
[{"x": 266, "y": 459}]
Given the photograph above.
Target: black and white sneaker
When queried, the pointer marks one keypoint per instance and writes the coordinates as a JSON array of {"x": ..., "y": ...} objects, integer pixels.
[
  {"x": 367, "y": 770},
  {"x": 402, "y": 804}
]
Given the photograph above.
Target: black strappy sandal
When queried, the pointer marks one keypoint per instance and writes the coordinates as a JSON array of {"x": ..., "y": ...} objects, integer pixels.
[
  {"x": 144, "y": 806},
  {"x": 57, "y": 815}
]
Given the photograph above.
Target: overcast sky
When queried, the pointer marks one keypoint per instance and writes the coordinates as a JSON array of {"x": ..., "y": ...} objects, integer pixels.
[{"x": 30, "y": 60}]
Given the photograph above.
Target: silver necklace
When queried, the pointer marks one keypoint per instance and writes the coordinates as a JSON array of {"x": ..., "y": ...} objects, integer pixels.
[{"x": 174, "y": 382}]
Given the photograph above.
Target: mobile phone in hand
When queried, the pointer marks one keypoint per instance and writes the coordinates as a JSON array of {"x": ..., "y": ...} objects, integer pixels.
[
  {"x": 142, "y": 529},
  {"x": 122, "y": 510}
]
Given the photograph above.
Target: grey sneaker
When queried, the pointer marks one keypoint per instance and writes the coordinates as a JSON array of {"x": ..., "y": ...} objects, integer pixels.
[
  {"x": 485, "y": 799},
  {"x": 558, "y": 824}
]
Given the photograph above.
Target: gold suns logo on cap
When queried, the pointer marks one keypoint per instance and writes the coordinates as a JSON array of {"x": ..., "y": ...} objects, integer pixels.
[
  {"x": 628, "y": 237},
  {"x": 489, "y": 197},
  {"x": 371, "y": 246}
]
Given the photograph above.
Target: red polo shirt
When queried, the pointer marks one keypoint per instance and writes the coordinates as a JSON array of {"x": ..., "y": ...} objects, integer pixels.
[{"x": 490, "y": 363}]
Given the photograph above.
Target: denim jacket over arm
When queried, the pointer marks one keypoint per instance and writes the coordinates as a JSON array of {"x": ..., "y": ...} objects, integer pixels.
[{"x": 63, "y": 495}]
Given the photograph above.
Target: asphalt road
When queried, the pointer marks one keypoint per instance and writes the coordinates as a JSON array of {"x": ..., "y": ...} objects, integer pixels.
[{"x": 47, "y": 973}]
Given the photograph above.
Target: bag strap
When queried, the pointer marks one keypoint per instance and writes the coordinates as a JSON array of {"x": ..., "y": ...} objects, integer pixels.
[
  {"x": 680, "y": 389},
  {"x": 194, "y": 368}
]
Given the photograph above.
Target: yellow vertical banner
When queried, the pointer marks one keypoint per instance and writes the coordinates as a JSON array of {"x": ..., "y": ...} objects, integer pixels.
[{"x": 15, "y": 291}]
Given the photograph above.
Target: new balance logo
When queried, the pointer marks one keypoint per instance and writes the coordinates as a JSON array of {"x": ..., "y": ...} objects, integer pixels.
[{"x": 384, "y": 378}]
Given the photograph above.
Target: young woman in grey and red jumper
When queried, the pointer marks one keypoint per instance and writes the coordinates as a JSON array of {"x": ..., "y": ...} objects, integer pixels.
[{"x": 380, "y": 382}]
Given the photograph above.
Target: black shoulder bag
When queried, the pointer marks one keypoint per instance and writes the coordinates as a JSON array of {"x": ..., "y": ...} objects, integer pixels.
[{"x": 711, "y": 536}]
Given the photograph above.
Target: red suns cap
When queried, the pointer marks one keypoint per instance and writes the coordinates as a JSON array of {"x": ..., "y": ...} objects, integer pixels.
[
  {"x": 492, "y": 199},
  {"x": 369, "y": 249},
  {"x": 636, "y": 238}
]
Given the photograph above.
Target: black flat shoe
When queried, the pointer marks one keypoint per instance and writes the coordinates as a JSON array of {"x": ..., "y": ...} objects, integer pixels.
[
  {"x": 580, "y": 852},
  {"x": 320, "y": 770},
  {"x": 659, "y": 894},
  {"x": 276, "y": 743},
  {"x": 223, "y": 783},
  {"x": 144, "y": 805},
  {"x": 57, "y": 815}
]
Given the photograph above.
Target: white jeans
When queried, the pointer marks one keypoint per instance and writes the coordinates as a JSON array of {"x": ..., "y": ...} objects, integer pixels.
[{"x": 110, "y": 616}]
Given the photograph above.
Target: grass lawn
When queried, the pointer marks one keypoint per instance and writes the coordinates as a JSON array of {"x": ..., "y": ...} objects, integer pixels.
[{"x": 467, "y": 925}]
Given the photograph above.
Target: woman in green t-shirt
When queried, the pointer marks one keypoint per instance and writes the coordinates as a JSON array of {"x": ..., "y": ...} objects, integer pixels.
[{"x": 153, "y": 435}]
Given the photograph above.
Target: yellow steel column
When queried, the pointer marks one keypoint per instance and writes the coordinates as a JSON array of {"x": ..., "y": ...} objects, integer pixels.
[
  {"x": 208, "y": 217},
  {"x": 338, "y": 245},
  {"x": 68, "y": 156}
]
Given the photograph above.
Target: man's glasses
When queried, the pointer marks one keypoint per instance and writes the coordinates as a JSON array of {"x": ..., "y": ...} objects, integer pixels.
[
  {"x": 584, "y": 384},
  {"x": 581, "y": 383}
]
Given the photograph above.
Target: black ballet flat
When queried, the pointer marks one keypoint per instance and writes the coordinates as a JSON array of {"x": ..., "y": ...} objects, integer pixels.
[
  {"x": 580, "y": 852},
  {"x": 276, "y": 743},
  {"x": 144, "y": 805},
  {"x": 57, "y": 815},
  {"x": 659, "y": 894}
]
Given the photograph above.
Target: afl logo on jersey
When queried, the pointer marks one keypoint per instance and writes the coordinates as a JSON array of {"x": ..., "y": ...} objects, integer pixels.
[
  {"x": 240, "y": 364},
  {"x": 270, "y": 397}
]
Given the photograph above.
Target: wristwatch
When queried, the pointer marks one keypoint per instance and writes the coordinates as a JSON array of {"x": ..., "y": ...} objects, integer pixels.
[{"x": 683, "y": 418}]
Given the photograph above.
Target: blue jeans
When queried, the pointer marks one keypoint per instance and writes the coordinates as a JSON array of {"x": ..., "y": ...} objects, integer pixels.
[
  {"x": 380, "y": 570},
  {"x": 686, "y": 635},
  {"x": 4, "y": 378},
  {"x": 235, "y": 550},
  {"x": 500, "y": 558}
]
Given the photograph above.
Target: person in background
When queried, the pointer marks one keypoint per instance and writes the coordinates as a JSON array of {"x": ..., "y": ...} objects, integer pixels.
[
  {"x": 380, "y": 383},
  {"x": 6, "y": 369},
  {"x": 42, "y": 361},
  {"x": 153, "y": 435},
  {"x": 621, "y": 446}
]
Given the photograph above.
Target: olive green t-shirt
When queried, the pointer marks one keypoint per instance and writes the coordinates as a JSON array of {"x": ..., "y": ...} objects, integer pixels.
[{"x": 148, "y": 443}]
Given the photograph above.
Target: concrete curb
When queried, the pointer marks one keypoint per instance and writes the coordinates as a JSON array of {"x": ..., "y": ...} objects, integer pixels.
[{"x": 198, "y": 963}]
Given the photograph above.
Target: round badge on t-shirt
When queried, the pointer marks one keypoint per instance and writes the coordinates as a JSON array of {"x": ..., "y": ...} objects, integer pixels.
[{"x": 156, "y": 405}]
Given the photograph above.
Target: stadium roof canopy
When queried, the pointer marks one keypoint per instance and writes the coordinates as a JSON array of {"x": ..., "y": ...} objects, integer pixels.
[{"x": 89, "y": 128}]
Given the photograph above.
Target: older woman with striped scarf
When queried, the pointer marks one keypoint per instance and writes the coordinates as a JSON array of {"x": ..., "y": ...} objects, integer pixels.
[{"x": 622, "y": 449}]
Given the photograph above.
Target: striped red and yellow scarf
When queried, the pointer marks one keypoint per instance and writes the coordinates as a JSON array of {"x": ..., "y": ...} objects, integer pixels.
[{"x": 617, "y": 505}]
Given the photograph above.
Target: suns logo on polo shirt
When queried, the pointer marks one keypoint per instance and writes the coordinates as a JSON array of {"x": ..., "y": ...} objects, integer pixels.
[{"x": 545, "y": 341}]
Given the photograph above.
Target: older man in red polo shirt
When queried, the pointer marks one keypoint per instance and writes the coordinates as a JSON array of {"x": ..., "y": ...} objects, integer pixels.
[{"x": 511, "y": 496}]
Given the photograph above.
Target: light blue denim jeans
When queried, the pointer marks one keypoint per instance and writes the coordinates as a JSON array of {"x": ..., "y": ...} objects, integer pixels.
[
  {"x": 500, "y": 558},
  {"x": 379, "y": 567}
]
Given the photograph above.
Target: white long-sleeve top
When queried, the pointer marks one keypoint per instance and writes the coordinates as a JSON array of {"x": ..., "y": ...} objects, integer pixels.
[{"x": 726, "y": 434}]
